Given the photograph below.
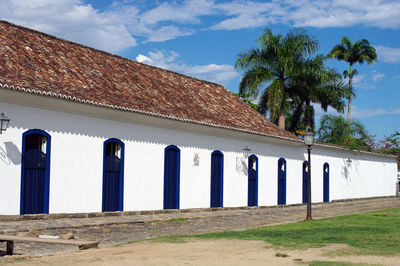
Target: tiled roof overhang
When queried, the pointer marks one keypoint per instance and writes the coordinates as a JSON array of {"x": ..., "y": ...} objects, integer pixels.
[{"x": 41, "y": 64}]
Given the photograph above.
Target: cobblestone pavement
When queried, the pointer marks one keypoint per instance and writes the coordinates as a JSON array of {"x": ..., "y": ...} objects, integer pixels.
[{"x": 120, "y": 229}]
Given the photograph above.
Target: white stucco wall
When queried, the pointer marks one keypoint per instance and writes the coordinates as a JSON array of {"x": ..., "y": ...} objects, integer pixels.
[{"x": 77, "y": 158}]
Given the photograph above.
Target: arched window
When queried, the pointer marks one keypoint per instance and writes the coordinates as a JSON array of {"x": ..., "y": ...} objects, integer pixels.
[
  {"x": 281, "y": 181},
  {"x": 305, "y": 181},
  {"x": 35, "y": 172},
  {"x": 217, "y": 177},
  {"x": 252, "y": 199},
  {"x": 113, "y": 175},
  {"x": 326, "y": 182},
  {"x": 172, "y": 156}
]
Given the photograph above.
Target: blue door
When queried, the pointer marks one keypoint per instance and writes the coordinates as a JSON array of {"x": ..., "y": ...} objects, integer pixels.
[
  {"x": 281, "y": 181},
  {"x": 35, "y": 172},
  {"x": 171, "y": 177},
  {"x": 217, "y": 173},
  {"x": 326, "y": 182},
  {"x": 305, "y": 182},
  {"x": 113, "y": 175},
  {"x": 253, "y": 181}
]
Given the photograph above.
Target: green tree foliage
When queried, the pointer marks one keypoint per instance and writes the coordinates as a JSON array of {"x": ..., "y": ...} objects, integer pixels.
[
  {"x": 249, "y": 100},
  {"x": 272, "y": 65},
  {"x": 357, "y": 52},
  {"x": 289, "y": 79},
  {"x": 315, "y": 83},
  {"x": 390, "y": 144},
  {"x": 334, "y": 129}
]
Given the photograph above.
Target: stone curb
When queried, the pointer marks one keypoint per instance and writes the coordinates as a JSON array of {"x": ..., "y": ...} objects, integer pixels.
[{"x": 132, "y": 213}]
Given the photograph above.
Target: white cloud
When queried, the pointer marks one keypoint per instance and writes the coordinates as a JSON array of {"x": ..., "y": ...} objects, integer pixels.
[
  {"x": 188, "y": 12},
  {"x": 359, "y": 79},
  {"x": 245, "y": 15},
  {"x": 169, "y": 60},
  {"x": 343, "y": 13},
  {"x": 378, "y": 76},
  {"x": 388, "y": 54},
  {"x": 168, "y": 21},
  {"x": 113, "y": 28},
  {"x": 319, "y": 112},
  {"x": 166, "y": 33},
  {"x": 395, "y": 77},
  {"x": 70, "y": 19},
  {"x": 356, "y": 112},
  {"x": 369, "y": 112},
  {"x": 311, "y": 13},
  {"x": 123, "y": 23},
  {"x": 365, "y": 82}
]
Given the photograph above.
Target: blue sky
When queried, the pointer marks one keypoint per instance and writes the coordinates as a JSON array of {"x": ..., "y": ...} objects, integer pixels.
[{"x": 202, "y": 38}]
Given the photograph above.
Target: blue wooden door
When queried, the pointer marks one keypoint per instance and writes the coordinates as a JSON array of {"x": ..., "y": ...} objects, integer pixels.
[
  {"x": 253, "y": 181},
  {"x": 305, "y": 182},
  {"x": 281, "y": 181},
  {"x": 171, "y": 177},
  {"x": 35, "y": 172},
  {"x": 111, "y": 184},
  {"x": 34, "y": 182},
  {"x": 326, "y": 182},
  {"x": 216, "y": 179},
  {"x": 113, "y": 175}
]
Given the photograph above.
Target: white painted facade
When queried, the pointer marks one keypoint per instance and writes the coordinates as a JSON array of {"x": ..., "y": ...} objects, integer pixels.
[{"x": 76, "y": 164}]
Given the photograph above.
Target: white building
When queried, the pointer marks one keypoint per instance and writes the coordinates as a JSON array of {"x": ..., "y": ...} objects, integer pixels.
[{"x": 91, "y": 132}]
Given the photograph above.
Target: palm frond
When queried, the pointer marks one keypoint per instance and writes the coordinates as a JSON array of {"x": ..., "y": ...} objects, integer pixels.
[
  {"x": 253, "y": 79},
  {"x": 275, "y": 98}
]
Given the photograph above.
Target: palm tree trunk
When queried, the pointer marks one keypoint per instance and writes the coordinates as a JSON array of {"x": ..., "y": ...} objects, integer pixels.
[
  {"x": 350, "y": 96},
  {"x": 281, "y": 120},
  {"x": 308, "y": 117}
]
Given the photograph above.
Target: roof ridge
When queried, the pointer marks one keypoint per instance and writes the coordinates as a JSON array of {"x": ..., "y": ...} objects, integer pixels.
[{"x": 105, "y": 52}]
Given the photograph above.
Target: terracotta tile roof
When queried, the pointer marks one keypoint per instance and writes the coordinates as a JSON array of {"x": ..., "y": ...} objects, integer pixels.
[{"x": 36, "y": 62}]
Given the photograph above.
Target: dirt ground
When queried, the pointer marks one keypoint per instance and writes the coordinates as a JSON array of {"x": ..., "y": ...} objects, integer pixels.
[{"x": 199, "y": 252}]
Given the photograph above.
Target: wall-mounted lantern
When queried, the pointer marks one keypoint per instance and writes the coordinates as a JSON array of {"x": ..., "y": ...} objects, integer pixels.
[
  {"x": 246, "y": 152},
  {"x": 348, "y": 162},
  {"x": 196, "y": 159},
  {"x": 4, "y": 121}
]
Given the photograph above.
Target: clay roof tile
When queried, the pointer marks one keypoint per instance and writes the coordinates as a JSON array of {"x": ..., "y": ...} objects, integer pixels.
[{"x": 57, "y": 67}]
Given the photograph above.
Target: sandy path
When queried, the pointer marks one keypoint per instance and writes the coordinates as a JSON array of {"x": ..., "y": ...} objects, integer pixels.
[{"x": 198, "y": 252}]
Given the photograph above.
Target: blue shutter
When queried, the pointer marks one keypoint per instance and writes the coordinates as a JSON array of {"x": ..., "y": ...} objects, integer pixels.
[
  {"x": 305, "y": 182},
  {"x": 326, "y": 182},
  {"x": 281, "y": 181},
  {"x": 35, "y": 173},
  {"x": 252, "y": 199},
  {"x": 217, "y": 173},
  {"x": 171, "y": 177},
  {"x": 113, "y": 177}
]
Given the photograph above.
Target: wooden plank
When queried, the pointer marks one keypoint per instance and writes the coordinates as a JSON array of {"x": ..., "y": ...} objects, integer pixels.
[{"x": 81, "y": 244}]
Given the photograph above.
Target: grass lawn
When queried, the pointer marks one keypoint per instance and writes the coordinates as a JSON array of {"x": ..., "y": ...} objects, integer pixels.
[{"x": 375, "y": 232}]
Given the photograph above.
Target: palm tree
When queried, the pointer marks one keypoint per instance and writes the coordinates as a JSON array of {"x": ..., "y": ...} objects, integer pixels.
[
  {"x": 315, "y": 83},
  {"x": 334, "y": 129},
  {"x": 352, "y": 53},
  {"x": 273, "y": 64}
]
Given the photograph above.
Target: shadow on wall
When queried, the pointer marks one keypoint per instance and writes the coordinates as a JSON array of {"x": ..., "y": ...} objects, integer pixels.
[
  {"x": 345, "y": 173},
  {"x": 346, "y": 169},
  {"x": 11, "y": 154},
  {"x": 241, "y": 166}
]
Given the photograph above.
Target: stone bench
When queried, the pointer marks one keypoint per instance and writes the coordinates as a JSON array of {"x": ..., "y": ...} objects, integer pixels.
[{"x": 11, "y": 239}]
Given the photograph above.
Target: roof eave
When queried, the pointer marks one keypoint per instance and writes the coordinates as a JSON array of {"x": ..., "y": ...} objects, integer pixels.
[{"x": 133, "y": 110}]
